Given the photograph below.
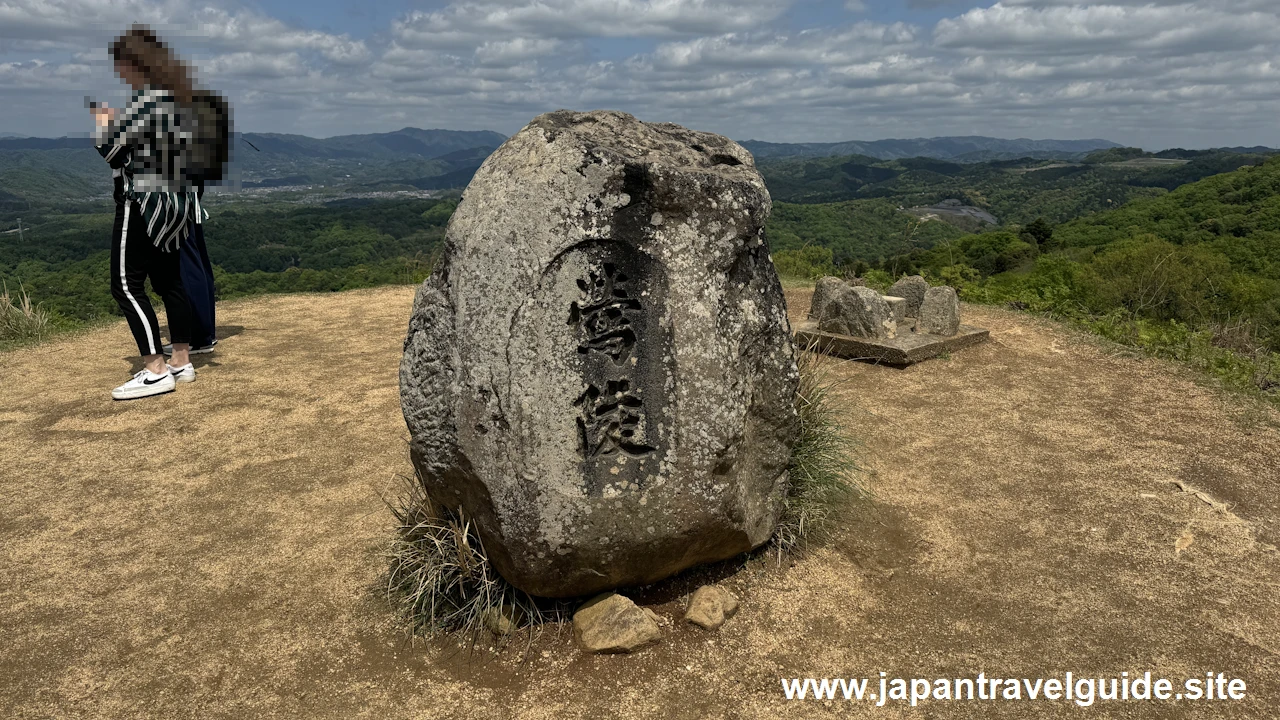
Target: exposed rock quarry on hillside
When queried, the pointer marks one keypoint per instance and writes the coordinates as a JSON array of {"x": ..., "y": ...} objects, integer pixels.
[{"x": 599, "y": 372}]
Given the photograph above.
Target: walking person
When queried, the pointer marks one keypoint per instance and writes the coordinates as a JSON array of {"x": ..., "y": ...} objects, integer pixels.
[
  {"x": 197, "y": 279},
  {"x": 156, "y": 204}
]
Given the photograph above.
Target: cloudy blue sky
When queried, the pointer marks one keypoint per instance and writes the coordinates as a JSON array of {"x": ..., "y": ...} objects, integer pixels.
[{"x": 1153, "y": 73}]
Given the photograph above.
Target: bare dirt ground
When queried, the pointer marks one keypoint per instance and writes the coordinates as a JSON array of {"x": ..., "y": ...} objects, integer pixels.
[{"x": 211, "y": 553}]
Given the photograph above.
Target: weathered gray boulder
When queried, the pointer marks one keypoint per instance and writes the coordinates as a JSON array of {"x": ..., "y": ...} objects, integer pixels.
[
  {"x": 827, "y": 290},
  {"x": 611, "y": 623},
  {"x": 599, "y": 372},
  {"x": 710, "y": 606},
  {"x": 873, "y": 317},
  {"x": 912, "y": 289},
  {"x": 834, "y": 306},
  {"x": 844, "y": 309},
  {"x": 940, "y": 312}
]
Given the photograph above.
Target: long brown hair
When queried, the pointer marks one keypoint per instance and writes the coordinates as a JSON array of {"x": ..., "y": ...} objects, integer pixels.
[{"x": 140, "y": 49}]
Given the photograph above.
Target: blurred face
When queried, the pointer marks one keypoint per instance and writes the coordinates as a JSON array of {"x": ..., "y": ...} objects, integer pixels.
[{"x": 131, "y": 75}]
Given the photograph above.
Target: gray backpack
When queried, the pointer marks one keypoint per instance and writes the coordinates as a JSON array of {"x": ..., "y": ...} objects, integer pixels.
[{"x": 204, "y": 160}]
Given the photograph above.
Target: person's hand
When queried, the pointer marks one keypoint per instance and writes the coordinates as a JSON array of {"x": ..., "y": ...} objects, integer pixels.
[{"x": 103, "y": 115}]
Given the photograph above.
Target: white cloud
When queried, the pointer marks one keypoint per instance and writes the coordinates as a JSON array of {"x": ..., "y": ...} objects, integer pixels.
[
  {"x": 1079, "y": 29},
  {"x": 256, "y": 66},
  {"x": 43, "y": 25},
  {"x": 222, "y": 30},
  {"x": 515, "y": 50},
  {"x": 860, "y": 42},
  {"x": 40, "y": 75},
  {"x": 470, "y": 22},
  {"x": 66, "y": 21},
  {"x": 1151, "y": 72}
]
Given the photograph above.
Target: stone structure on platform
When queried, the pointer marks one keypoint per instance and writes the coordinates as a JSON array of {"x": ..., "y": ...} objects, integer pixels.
[
  {"x": 832, "y": 305},
  {"x": 598, "y": 373},
  {"x": 913, "y": 322}
]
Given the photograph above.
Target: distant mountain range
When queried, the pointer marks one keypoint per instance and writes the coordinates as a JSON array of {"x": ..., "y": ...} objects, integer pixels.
[
  {"x": 961, "y": 149},
  {"x": 406, "y": 142},
  {"x": 429, "y": 144},
  {"x": 386, "y": 146},
  {"x": 68, "y": 168}
]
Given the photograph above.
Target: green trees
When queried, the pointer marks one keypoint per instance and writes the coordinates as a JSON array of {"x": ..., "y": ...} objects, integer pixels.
[
  {"x": 277, "y": 248},
  {"x": 810, "y": 262},
  {"x": 1014, "y": 191},
  {"x": 1038, "y": 232},
  {"x": 1115, "y": 155},
  {"x": 439, "y": 214},
  {"x": 865, "y": 230},
  {"x": 1204, "y": 258}
]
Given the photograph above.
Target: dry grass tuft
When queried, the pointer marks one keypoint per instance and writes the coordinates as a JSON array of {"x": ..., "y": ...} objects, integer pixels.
[
  {"x": 20, "y": 320},
  {"x": 440, "y": 578},
  {"x": 824, "y": 474}
]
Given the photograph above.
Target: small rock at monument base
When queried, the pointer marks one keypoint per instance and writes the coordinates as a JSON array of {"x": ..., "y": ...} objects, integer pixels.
[
  {"x": 940, "y": 312},
  {"x": 710, "y": 606},
  {"x": 611, "y": 623}
]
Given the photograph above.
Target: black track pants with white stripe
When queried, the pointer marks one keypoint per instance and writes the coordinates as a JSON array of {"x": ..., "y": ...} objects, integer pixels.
[{"x": 134, "y": 259}]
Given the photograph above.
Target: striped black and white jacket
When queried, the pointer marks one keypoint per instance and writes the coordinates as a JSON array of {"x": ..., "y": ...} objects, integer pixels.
[{"x": 143, "y": 145}]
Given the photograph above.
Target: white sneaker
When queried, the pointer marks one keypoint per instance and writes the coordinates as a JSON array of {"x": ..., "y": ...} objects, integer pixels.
[
  {"x": 144, "y": 384},
  {"x": 184, "y": 374}
]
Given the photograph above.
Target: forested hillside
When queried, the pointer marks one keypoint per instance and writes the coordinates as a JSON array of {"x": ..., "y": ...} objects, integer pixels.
[
  {"x": 868, "y": 230},
  {"x": 344, "y": 245},
  {"x": 1014, "y": 191},
  {"x": 961, "y": 149},
  {"x": 1193, "y": 273},
  {"x": 1117, "y": 241}
]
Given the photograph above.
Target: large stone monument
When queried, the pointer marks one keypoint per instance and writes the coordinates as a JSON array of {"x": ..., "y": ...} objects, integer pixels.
[{"x": 599, "y": 371}]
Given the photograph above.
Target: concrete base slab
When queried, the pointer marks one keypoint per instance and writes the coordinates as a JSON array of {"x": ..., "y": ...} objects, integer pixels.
[{"x": 909, "y": 347}]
